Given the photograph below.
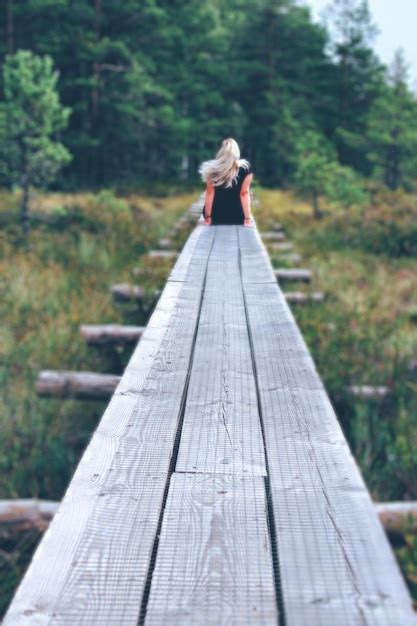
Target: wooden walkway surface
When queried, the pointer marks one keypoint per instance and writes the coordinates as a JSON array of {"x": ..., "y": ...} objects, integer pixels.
[{"x": 218, "y": 487}]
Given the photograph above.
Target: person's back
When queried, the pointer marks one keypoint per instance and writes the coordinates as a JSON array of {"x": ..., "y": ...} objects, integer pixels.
[{"x": 228, "y": 180}]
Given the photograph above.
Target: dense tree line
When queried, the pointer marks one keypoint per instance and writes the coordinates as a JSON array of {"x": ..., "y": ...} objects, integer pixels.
[{"x": 154, "y": 85}]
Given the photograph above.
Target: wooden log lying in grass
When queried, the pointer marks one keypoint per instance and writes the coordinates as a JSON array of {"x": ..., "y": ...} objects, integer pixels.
[
  {"x": 295, "y": 273},
  {"x": 106, "y": 334},
  {"x": 123, "y": 292},
  {"x": 299, "y": 297},
  {"x": 369, "y": 392},
  {"x": 27, "y": 513},
  {"x": 164, "y": 243},
  {"x": 272, "y": 236},
  {"x": 290, "y": 257},
  {"x": 162, "y": 254},
  {"x": 281, "y": 246},
  {"x": 81, "y": 385},
  {"x": 398, "y": 517}
]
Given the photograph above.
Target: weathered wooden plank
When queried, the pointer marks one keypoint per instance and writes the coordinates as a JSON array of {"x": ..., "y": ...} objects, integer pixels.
[
  {"x": 214, "y": 563},
  {"x": 221, "y": 429},
  {"x": 396, "y": 517},
  {"x": 105, "y": 334},
  {"x": 336, "y": 566},
  {"x": 254, "y": 257},
  {"x": 194, "y": 250},
  {"x": 91, "y": 566}
]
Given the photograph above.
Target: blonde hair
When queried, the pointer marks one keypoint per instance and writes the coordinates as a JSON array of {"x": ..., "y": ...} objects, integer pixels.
[{"x": 224, "y": 168}]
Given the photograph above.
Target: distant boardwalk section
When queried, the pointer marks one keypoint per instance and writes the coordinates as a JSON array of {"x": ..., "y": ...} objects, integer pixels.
[{"x": 218, "y": 487}]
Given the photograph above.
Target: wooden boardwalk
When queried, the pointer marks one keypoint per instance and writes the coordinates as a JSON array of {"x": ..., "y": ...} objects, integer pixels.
[{"x": 218, "y": 487}]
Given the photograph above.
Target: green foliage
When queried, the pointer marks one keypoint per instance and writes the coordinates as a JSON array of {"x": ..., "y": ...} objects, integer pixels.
[
  {"x": 32, "y": 115},
  {"x": 385, "y": 224},
  {"x": 391, "y": 137},
  {"x": 314, "y": 166},
  {"x": 79, "y": 245},
  {"x": 153, "y": 87},
  {"x": 343, "y": 187}
]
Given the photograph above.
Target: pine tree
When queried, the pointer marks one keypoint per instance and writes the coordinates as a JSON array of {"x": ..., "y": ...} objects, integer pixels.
[
  {"x": 32, "y": 116},
  {"x": 392, "y": 129},
  {"x": 358, "y": 78}
]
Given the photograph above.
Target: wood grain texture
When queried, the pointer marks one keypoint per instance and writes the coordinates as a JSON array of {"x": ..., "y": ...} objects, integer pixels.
[
  {"x": 194, "y": 249},
  {"x": 91, "y": 565},
  {"x": 221, "y": 430},
  {"x": 255, "y": 266},
  {"x": 335, "y": 562},
  {"x": 214, "y": 562}
]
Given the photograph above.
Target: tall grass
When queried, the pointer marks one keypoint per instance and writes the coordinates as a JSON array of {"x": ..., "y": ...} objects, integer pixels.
[{"x": 79, "y": 245}]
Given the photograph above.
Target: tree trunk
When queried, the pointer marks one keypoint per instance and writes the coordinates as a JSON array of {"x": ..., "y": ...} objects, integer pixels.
[
  {"x": 24, "y": 207},
  {"x": 316, "y": 206},
  {"x": 10, "y": 26}
]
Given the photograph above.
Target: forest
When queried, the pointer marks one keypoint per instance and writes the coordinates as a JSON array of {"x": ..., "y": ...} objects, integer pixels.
[
  {"x": 107, "y": 108},
  {"x": 152, "y": 85}
]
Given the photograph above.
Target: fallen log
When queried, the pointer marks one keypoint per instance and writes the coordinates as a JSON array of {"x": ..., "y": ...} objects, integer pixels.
[
  {"x": 281, "y": 246},
  {"x": 295, "y": 273},
  {"x": 299, "y": 297},
  {"x": 369, "y": 392},
  {"x": 81, "y": 385},
  {"x": 111, "y": 334},
  {"x": 123, "y": 292},
  {"x": 290, "y": 257},
  {"x": 162, "y": 254},
  {"x": 273, "y": 236},
  {"x": 165, "y": 243},
  {"x": 398, "y": 517},
  {"x": 27, "y": 513}
]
